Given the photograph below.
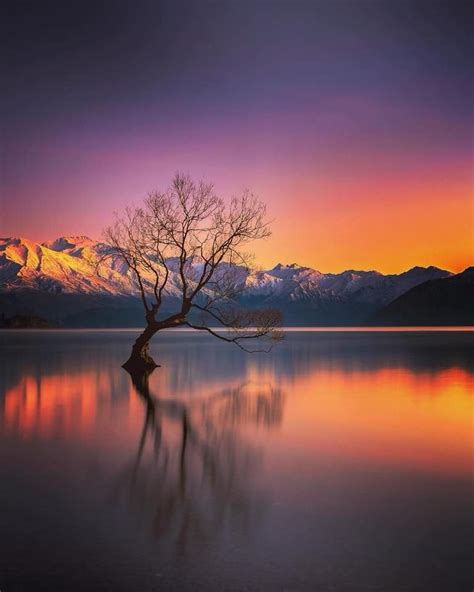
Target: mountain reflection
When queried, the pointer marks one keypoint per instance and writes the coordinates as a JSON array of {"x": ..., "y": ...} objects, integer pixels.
[{"x": 193, "y": 472}]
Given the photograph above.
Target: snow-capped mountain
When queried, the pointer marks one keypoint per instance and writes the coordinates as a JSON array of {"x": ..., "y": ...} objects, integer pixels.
[
  {"x": 305, "y": 284},
  {"x": 67, "y": 265},
  {"x": 79, "y": 266}
]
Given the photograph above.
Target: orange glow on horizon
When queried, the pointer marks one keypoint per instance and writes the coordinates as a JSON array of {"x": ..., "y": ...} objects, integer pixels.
[
  {"x": 385, "y": 224},
  {"x": 331, "y": 220}
]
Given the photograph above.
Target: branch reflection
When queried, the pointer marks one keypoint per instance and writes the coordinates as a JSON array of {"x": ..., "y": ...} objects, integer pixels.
[{"x": 194, "y": 473}]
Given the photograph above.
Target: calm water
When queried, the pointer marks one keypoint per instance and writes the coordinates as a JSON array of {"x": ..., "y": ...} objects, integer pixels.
[{"x": 340, "y": 461}]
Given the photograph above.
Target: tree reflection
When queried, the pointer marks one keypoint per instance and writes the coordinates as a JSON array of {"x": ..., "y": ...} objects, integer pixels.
[{"x": 193, "y": 474}]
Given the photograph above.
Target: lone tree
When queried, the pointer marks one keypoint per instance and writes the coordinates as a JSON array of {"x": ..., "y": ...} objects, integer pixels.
[{"x": 186, "y": 246}]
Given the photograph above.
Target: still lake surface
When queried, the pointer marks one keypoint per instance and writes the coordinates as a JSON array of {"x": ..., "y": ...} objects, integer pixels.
[{"x": 340, "y": 461}]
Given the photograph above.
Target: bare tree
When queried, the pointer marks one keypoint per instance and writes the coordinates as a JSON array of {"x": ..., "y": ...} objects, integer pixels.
[{"x": 188, "y": 243}]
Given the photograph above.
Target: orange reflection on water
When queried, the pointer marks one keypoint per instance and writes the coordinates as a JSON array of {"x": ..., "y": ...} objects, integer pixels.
[
  {"x": 391, "y": 416},
  {"x": 60, "y": 403}
]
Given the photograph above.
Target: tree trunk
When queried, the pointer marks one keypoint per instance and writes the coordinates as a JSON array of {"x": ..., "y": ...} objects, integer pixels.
[{"x": 140, "y": 361}]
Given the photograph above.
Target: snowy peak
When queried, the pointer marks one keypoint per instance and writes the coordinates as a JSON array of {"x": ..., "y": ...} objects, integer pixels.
[
  {"x": 281, "y": 267},
  {"x": 67, "y": 242},
  {"x": 293, "y": 271}
]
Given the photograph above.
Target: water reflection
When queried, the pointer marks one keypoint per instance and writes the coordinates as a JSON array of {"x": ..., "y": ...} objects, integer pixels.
[
  {"x": 401, "y": 400},
  {"x": 193, "y": 471},
  {"x": 338, "y": 461}
]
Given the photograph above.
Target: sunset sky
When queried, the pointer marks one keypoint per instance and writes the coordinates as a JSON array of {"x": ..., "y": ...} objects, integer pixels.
[{"x": 351, "y": 120}]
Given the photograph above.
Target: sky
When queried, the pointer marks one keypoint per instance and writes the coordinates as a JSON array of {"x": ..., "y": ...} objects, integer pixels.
[{"x": 351, "y": 120}]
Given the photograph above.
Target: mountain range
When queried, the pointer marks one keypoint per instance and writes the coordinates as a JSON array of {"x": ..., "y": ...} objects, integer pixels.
[{"x": 69, "y": 282}]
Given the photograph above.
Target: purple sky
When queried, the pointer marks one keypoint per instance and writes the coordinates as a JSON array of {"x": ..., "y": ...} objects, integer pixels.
[{"x": 352, "y": 120}]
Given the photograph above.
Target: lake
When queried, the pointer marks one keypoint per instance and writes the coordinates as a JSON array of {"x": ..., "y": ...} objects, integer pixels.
[{"x": 340, "y": 461}]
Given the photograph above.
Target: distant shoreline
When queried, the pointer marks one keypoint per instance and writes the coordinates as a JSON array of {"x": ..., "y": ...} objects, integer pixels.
[{"x": 361, "y": 329}]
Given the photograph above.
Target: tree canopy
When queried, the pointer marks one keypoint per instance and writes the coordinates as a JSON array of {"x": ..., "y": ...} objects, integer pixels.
[{"x": 188, "y": 237}]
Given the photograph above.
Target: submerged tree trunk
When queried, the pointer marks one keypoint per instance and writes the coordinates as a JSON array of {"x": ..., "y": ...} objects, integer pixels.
[{"x": 140, "y": 360}]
